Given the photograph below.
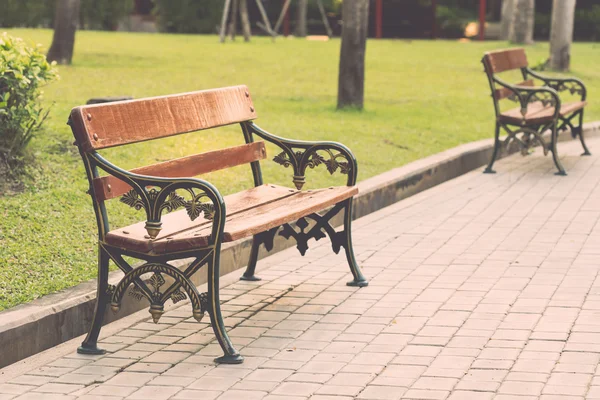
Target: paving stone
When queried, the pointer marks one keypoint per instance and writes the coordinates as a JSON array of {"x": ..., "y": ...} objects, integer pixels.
[
  {"x": 521, "y": 388},
  {"x": 109, "y": 390},
  {"x": 29, "y": 380},
  {"x": 81, "y": 379},
  {"x": 426, "y": 394},
  {"x": 187, "y": 394},
  {"x": 51, "y": 371},
  {"x": 131, "y": 379},
  {"x": 154, "y": 393},
  {"x": 11, "y": 388},
  {"x": 296, "y": 388},
  {"x": 322, "y": 367},
  {"x": 310, "y": 378},
  {"x": 96, "y": 397},
  {"x": 46, "y": 396},
  {"x": 382, "y": 393},
  {"x": 213, "y": 383},
  {"x": 334, "y": 390},
  {"x": 269, "y": 375}
]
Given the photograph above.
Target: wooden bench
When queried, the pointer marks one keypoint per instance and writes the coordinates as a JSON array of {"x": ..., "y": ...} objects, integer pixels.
[
  {"x": 540, "y": 107},
  {"x": 206, "y": 219}
]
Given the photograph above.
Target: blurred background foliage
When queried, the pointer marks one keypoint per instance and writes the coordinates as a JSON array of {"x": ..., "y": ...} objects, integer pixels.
[{"x": 401, "y": 18}]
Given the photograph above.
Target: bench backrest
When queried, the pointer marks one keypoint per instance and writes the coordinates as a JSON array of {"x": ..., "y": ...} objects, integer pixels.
[
  {"x": 499, "y": 61},
  {"x": 505, "y": 60},
  {"x": 101, "y": 126}
]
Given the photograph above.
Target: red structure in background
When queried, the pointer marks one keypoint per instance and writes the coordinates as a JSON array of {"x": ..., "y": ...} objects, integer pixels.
[
  {"x": 482, "y": 9},
  {"x": 379, "y": 19},
  {"x": 433, "y": 19},
  {"x": 286, "y": 23}
]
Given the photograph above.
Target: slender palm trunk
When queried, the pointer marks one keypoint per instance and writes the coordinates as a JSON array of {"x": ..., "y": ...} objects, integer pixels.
[{"x": 561, "y": 34}]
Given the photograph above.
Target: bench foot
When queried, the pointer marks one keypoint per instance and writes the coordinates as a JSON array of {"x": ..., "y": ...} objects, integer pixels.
[
  {"x": 231, "y": 359},
  {"x": 251, "y": 278},
  {"x": 358, "y": 283},
  {"x": 561, "y": 173},
  {"x": 265, "y": 238},
  {"x": 489, "y": 171},
  {"x": 586, "y": 153},
  {"x": 90, "y": 350}
]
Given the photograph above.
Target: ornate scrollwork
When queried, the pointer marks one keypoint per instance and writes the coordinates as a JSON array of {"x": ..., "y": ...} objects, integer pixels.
[
  {"x": 194, "y": 206},
  {"x": 321, "y": 229},
  {"x": 572, "y": 87},
  {"x": 527, "y": 140},
  {"x": 300, "y": 162},
  {"x": 315, "y": 160},
  {"x": 110, "y": 289},
  {"x": 544, "y": 97},
  {"x": 156, "y": 281},
  {"x": 132, "y": 199},
  {"x": 178, "y": 296},
  {"x": 157, "y": 297}
]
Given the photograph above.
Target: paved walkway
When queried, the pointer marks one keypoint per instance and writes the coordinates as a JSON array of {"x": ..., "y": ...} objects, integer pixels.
[{"x": 483, "y": 287}]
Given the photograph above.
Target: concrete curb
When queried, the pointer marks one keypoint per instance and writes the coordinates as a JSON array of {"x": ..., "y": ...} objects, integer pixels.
[{"x": 36, "y": 326}]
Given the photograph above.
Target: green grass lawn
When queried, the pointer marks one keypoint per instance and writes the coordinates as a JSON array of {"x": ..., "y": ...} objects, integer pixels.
[{"x": 421, "y": 97}]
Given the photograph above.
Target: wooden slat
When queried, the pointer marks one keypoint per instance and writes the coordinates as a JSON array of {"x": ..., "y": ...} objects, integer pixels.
[
  {"x": 105, "y": 125},
  {"x": 503, "y": 92},
  {"x": 537, "y": 113},
  {"x": 505, "y": 60},
  {"x": 247, "y": 214},
  {"x": 109, "y": 187},
  {"x": 178, "y": 221}
]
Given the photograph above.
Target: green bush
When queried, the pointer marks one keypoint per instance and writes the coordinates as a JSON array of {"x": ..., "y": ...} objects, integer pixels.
[
  {"x": 188, "y": 16},
  {"x": 23, "y": 71}
]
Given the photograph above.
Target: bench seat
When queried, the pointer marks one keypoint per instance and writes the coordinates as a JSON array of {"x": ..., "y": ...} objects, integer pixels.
[
  {"x": 249, "y": 212},
  {"x": 538, "y": 113}
]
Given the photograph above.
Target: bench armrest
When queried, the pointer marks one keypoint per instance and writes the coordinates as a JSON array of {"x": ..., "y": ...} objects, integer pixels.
[
  {"x": 527, "y": 94},
  {"x": 573, "y": 85},
  {"x": 300, "y": 154},
  {"x": 163, "y": 195}
]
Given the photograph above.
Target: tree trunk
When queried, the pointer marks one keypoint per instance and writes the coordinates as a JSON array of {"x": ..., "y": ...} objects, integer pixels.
[
  {"x": 301, "y": 18},
  {"x": 351, "y": 81},
  {"x": 245, "y": 20},
  {"x": 65, "y": 25},
  {"x": 233, "y": 19},
  {"x": 506, "y": 19},
  {"x": 561, "y": 34},
  {"x": 523, "y": 22}
]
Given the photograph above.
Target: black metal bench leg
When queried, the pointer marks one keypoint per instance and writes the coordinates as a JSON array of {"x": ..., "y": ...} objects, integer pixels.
[
  {"x": 561, "y": 170},
  {"x": 231, "y": 355},
  {"x": 359, "y": 280},
  {"x": 489, "y": 169},
  {"x": 586, "y": 151},
  {"x": 249, "y": 273},
  {"x": 89, "y": 345}
]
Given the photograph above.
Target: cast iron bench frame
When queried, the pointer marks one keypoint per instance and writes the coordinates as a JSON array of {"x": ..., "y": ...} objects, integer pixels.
[
  {"x": 540, "y": 108},
  {"x": 161, "y": 187}
]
